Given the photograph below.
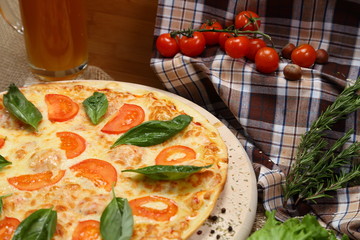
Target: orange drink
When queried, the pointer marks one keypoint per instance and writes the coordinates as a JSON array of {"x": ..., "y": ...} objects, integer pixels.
[{"x": 55, "y": 37}]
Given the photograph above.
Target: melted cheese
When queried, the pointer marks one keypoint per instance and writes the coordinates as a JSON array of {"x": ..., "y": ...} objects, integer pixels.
[{"x": 77, "y": 198}]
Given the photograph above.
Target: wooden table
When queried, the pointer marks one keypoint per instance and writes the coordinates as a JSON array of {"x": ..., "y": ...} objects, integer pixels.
[{"x": 121, "y": 39}]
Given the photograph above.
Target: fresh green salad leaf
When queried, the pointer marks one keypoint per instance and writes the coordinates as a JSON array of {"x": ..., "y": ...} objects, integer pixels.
[
  {"x": 307, "y": 228},
  {"x": 96, "y": 106},
  {"x": 167, "y": 172},
  {"x": 1, "y": 202},
  {"x": 4, "y": 162},
  {"x": 40, "y": 225},
  {"x": 116, "y": 222},
  {"x": 153, "y": 132},
  {"x": 21, "y": 108}
]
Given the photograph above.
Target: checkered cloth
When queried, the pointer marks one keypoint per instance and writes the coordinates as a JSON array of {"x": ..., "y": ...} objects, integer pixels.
[{"x": 267, "y": 113}]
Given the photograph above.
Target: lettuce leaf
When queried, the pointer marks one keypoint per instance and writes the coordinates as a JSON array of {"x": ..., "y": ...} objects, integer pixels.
[{"x": 307, "y": 228}]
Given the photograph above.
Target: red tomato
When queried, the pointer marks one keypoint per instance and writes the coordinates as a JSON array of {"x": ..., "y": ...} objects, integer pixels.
[
  {"x": 212, "y": 38},
  {"x": 266, "y": 60},
  {"x": 8, "y": 227},
  {"x": 72, "y": 143},
  {"x": 303, "y": 55},
  {"x": 247, "y": 21},
  {"x": 87, "y": 230},
  {"x": 237, "y": 47},
  {"x": 36, "y": 181},
  {"x": 100, "y": 172},
  {"x": 2, "y": 142},
  {"x": 222, "y": 39},
  {"x": 60, "y": 107},
  {"x": 167, "y": 45},
  {"x": 175, "y": 154},
  {"x": 128, "y": 116},
  {"x": 255, "y": 45},
  {"x": 192, "y": 46},
  {"x": 156, "y": 214}
]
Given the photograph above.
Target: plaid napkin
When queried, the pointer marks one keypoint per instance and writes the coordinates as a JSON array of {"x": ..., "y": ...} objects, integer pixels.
[{"x": 267, "y": 113}]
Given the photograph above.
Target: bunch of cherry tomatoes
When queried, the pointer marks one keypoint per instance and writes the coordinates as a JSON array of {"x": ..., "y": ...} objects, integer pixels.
[{"x": 243, "y": 39}]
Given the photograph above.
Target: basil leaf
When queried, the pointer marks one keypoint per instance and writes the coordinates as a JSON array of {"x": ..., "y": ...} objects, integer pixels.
[
  {"x": 167, "y": 172},
  {"x": 40, "y": 225},
  {"x": 153, "y": 132},
  {"x": 21, "y": 108},
  {"x": 4, "y": 162},
  {"x": 1, "y": 202},
  {"x": 116, "y": 222},
  {"x": 96, "y": 106}
]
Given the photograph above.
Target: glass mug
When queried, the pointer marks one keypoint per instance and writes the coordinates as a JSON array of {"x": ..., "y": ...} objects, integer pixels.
[{"x": 55, "y": 35}]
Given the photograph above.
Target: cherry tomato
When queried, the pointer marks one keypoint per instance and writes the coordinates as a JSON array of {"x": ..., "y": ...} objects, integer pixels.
[
  {"x": 72, "y": 143},
  {"x": 212, "y": 38},
  {"x": 7, "y": 227},
  {"x": 60, "y": 107},
  {"x": 166, "y": 45},
  {"x": 2, "y": 142},
  {"x": 255, "y": 45},
  {"x": 303, "y": 55},
  {"x": 175, "y": 154},
  {"x": 192, "y": 46},
  {"x": 139, "y": 208},
  {"x": 36, "y": 181},
  {"x": 100, "y": 172},
  {"x": 87, "y": 230},
  {"x": 247, "y": 21},
  {"x": 266, "y": 60},
  {"x": 222, "y": 39},
  {"x": 128, "y": 116},
  {"x": 237, "y": 47}
]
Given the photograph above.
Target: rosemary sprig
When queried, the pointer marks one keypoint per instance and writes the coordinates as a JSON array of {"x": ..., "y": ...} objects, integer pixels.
[{"x": 317, "y": 170}]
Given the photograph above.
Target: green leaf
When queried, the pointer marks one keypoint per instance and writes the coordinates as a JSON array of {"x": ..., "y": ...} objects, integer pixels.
[
  {"x": 40, "y": 225},
  {"x": 116, "y": 222},
  {"x": 307, "y": 228},
  {"x": 167, "y": 172},
  {"x": 96, "y": 106},
  {"x": 21, "y": 108},
  {"x": 1, "y": 202},
  {"x": 153, "y": 132},
  {"x": 4, "y": 162}
]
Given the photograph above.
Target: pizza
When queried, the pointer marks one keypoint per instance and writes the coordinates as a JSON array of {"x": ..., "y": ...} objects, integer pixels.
[{"x": 105, "y": 160}]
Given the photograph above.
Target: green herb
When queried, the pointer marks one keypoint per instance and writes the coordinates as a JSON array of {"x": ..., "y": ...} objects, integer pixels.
[
  {"x": 96, "y": 106},
  {"x": 307, "y": 228},
  {"x": 153, "y": 132},
  {"x": 40, "y": 225},
  {"x": 1, "y": 202},
  {"x": 316, "y": 170},
  {"x": 21, "y": 108},
  {"x": 116, "y": 222},
  {"x": 4, "y": 162},
  {"x": 167, "y": 172}
]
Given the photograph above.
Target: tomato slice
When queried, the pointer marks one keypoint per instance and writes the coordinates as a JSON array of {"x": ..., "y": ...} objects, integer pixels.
[
  {"x": 128, "y": 116},
  {"x": 87, "y": 230},
  {"x": 175, "y": 154},
  {"x": 8, "y": 227},
  {"x": 100, "y": 172},
  {"x": 138, "y": 208},
  {"x": 72, "y": 143},
  {"x": 36, "y": 181},
  {"x": 60, "y": 107},
  {"x": 2, "y": 142}
]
